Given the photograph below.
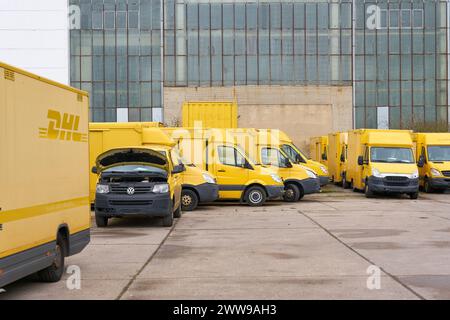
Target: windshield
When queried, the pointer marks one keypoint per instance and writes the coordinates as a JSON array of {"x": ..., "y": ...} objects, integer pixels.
[
  {"x": 135, "y": 169},
  {"x": 274, "y": 157},
  {"x": 391, "y": 155},
  {"x": 438, "y": 153},
  {"x": 293, "y": 154}
]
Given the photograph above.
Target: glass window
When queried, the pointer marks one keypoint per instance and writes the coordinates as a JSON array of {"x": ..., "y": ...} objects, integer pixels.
[
  {"x": 239, "y": 16},
  {"x": 133, "y": 19},
  {"x": 97, "y": 20},
  {"x": 394, "y": 18},
  {"x": 273, "y": 157},
  {"x": 230, "y": 156},
  {"x": 121, "y": 19}
]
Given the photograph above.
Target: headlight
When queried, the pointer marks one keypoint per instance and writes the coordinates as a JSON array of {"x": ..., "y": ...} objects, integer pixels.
[
  {"x": 415, "y": 174},
  {"x": 276, "y": 178},
  {"x": 324, "y": 169},
  {"x": 102, "y": 188},
  {"x": 435, "y": 172},
  {"x": 311, "y": 174},
  {"x": 161, "y": 188},
  {"x": 377, "y": 173},
  {"x": 208, "y": 178}
]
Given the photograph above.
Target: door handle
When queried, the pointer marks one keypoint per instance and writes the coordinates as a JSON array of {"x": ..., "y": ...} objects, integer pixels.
[{"x": 221, "y": 171}]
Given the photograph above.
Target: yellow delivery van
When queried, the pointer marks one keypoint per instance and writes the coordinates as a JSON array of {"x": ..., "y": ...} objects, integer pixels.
[
  {"x": 382, "y": 161},
  {"x": 337, "y": 156},
  {"x": 138, "y": 181},
  {"x": 298, "y": 157},
  {"x": 199, "y": 186},
  {"x": 433, "y": 154},
  {"x": 238, "y": 176},
  {"x": 318, "y": 149},
  {"x": 44, "y": 184},
  {"x": 265, "y": 148}
]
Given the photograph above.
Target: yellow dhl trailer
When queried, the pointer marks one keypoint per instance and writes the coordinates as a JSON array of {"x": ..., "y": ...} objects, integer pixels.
[
  {"x": 44, "y": 185},
  {"x": 318, "y": 149},
  {"x": 382, "y": 161},
  {"x": 210, "y": 114},
  {"x": 433, "y": 154},
  {"x": 198, "y": 185},
  {"x": 337, "y": 155}
]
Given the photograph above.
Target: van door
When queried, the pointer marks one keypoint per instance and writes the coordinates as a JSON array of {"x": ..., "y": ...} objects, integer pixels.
[{"x": 230, "y": 171}]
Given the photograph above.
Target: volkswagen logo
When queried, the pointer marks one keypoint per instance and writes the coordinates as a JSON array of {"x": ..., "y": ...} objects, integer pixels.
[{"x": 130, "y": 191}]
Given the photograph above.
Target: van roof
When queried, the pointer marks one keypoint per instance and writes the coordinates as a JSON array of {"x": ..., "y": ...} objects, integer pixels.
[
  {"x": 442, "y": 138},
  {"x": 387, "y": 137}
]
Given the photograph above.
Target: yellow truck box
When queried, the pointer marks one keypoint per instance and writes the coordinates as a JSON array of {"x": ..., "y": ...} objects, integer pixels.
[
  {"x": 198, "y": 185},
  {"x": 433, "y": 154},
  {"x": 238, "y": 176},
  {"x": 44, "y": 184},
  {"x": 382, "y": 161},
  {"x": 337, "y": 155},
  {"x": 297, "y": 156},
  {"x": 210, "y": 114},
  {"x": 318, "y": 149}
]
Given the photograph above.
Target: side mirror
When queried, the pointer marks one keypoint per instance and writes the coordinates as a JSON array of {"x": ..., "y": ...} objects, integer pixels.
[
  {"x": 421, "y": 161},
  {"x": 360, "y": 160},
  {"x": 324, "y": 156},
  {"x": 342, "y": 158},
  {"x": 179, "y": 169},
  {"x": 94, "y": 170}
]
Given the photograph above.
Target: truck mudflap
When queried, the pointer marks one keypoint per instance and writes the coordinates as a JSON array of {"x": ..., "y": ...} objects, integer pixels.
[
  {"x": 394, "y": 184},
  {"x": 208, "y": 192},
  {"x": 439, "y": 183},
  {"x": 118, "y": 205}
]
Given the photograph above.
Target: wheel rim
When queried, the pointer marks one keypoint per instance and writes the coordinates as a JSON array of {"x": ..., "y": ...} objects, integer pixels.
[
  {"x": 255, "y": 197},
  {"x": 186, "y": 200},
  {"x": 289, "y": 193}
]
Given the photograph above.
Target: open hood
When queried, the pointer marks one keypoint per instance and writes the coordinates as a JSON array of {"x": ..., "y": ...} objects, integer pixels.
[{"x": 124, "y": 156}]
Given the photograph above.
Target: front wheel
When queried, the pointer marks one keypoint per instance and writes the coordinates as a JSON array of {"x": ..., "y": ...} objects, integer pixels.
[
  {"x": 426, "y": 186},
  {"x": 255, "y": 196},
  {"x": 177, "y": 213},
  {"x": 291, "y": 193},
  {"x": 414, "y": 195},
  {"x": 54, "y": 272},
  {"x": 189, "y": 200},
  {"x": 367, "y": 191},
  {"x": 167, "y": 221},
  {"x": 101, "y": 221}
]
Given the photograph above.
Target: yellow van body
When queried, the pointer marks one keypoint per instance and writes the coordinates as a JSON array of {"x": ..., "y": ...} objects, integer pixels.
[
  {"x": 298, "y": 157},
  {"x": 382, "y": 161},
  {"x": 213, "y": 114},
  {"x": 44, "y": 184},
  {"x": 198, "y": 185},
  {"x": 337, "y": 155},
  {"x": 434, "y": 150},
  {"x": 238, "y": 176},
  {"x": 318, "y": 149}
]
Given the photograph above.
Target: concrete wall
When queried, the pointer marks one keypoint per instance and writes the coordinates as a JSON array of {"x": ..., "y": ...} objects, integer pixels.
[
  {"x": 301, "y": 111},
  {"x": 34, "y": 36}
]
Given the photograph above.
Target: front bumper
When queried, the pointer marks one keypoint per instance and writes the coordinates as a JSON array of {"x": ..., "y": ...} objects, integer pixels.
[
  {"x": 310, "y": 185},
  {"x": 208, "y": 192},
  {"x": 274, "y": 192},
  {"x": 405, "y": 185},
  {"x": 324, "y": 180},
  {"x": 439, "y": 183},
  {"x": 119, "y": 205}
]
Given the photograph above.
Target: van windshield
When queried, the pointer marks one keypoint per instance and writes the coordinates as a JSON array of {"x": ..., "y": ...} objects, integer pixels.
[
  {"x": 438, "y": 153},
  {"x": 134, "y": 169},
  {"x": 391, "y": 155},
  {"x": 293, "y": 154}
]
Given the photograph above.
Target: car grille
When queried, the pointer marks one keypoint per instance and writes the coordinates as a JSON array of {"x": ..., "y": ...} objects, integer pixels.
[
  {"x": 396, "y": 181},
  {"x": 137, "y": 189},
  {"x": 446, "y": 173},
  {"x": 130, "y": 202}
]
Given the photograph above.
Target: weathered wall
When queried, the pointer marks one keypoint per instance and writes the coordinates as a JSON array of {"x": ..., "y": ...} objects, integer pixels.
[{"x": 300, "y": 111}]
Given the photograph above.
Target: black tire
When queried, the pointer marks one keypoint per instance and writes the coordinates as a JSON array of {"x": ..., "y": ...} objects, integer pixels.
[
  {"x": 291, "y": 193},
  {"x": 426, "y": 186},
  {"x": 177, "y": 213},
  {"x": 189, "y": 200},
  {"x": 414, "y": 195},
  {"x": 54, "y": 272},
  {"x": 367, "y": 191},
  {"x": 101, "y": 221},
  {"x": 345, "y": 184},
  {"x": 167, "y": 221},
  {"x": 255, "y": 196}
]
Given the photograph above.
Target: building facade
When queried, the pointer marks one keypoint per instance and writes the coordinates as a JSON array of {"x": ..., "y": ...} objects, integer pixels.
[{"x": 134, "y": 56}]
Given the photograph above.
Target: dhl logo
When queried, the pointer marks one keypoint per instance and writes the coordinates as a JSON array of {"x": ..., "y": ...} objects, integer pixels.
[{"x": 62, "y": 127}]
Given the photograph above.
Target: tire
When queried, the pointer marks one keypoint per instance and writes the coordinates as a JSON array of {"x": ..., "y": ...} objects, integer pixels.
[
  {"x": 345, "y": 184},
  {"x": 177, "y": 214},
  {"x": 54, "y": 272},
  {"x": 255, "y": 196},
  {"x": 426, "y": 186},
  {"x": 101, "y": 221},
  {"x": 291, "y": 193},
  {"x": 367, "y": 191},
  {"x": 189, "y": 200},
  {"x": 167, "y": 221},
  {"x": 414, "y": 195}
]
